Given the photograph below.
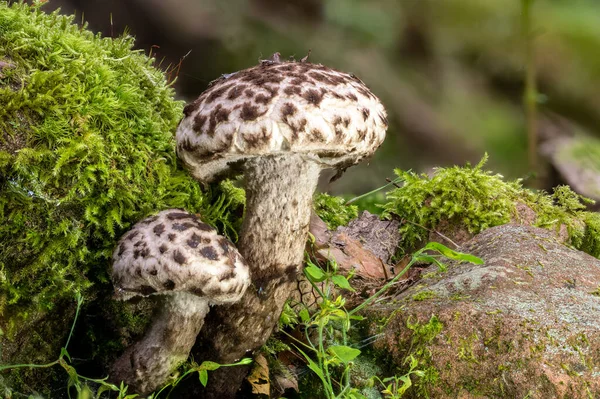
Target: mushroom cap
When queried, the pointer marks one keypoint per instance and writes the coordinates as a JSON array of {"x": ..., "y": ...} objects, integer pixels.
[
  {"x": 174, "y": 251},
  {"x": 277, "y": 108}
]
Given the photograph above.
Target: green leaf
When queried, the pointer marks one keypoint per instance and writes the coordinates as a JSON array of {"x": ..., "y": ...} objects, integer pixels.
[
  {"x": 314, "y": 273},
  {"x": 431, "y": 259},
  {"x": 448, "y": 253},
  {"x": 341, "y": 282},
  {"x": 304, "y": 315},
  {"x": 208, "y": 365},
  {"x": 203, "y": 376},
  {"x": 344, "y": 353}
]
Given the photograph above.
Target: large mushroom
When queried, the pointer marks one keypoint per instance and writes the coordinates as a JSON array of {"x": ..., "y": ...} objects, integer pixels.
[
  {"x": 280, "y": 124},
  {"x": 185, "y": 265}
]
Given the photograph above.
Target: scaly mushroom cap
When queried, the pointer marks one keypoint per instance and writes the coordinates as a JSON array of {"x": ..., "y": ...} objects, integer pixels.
[
  {"x": 176, "y": 252},
  {"x": 280, "y": 107}
]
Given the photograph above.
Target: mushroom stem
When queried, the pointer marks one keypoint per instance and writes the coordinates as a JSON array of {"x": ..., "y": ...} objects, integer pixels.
[
  {"x": 147, "y": 364},
  {"x": 279, "y": 190}
]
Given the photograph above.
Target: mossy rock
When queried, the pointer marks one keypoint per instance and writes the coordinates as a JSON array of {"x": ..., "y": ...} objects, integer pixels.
[
  {"x": 86, "y": 150},
  {"x": 463, "y": 201}
]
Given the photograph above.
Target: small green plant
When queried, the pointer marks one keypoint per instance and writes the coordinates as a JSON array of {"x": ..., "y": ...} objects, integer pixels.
[
  {"x": 334, "y": 211},
  {"x": 81, "y": 384},
  {"x": 328, "y": 352},
  {"x": 396, "y": 386}
]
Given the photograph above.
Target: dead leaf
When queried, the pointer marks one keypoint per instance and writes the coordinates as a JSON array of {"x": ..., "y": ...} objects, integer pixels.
[{"x": 259, "y": 377}]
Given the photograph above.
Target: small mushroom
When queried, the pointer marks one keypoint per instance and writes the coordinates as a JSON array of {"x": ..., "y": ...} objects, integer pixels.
[
  {"x": 184, "y": 264},
  {"x": 280, "y": 124}
]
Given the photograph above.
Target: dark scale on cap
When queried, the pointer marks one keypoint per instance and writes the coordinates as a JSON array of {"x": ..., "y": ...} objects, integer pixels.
[
  {"x": 163, "y": 248},
  {"x": 121, "y": 249},
  {"x": 203, "y": 226},
  {"x": 249, "y": 93},
  {"x": 145, "y": 252},
  {"x": 320, "y": 77},
  {"x": 383, "y": 119},
  {"x": 288, "y": 109},
  {"x": 263, "y": 99},
  {"x": 249, "y": 112},
  {"x": 228, "y": 274},
  {"x": 132, "y": 235},
  {"x": 153, "y": 272},
  {"x": 159, "y": 229},
  {"x": 235, "y": 92},
  {"x": 290, "y": 90},
  {"x": 182, "y": 226},
  {"x": 190, "y": 108},
  {"x": 180, "y": 215},
  {"x": 216, "y": 93},
  {"x": 138, "y": 271},
  {"x": 352, "y": 97},
  {"x": 137, "y": 244},
  {"x": 346, "y": 122},
  {"x": 149, "y": 220},
  {"x": 361, "y": 134},
  {"x": 209, "y": 253},
  {"x": 224, "y": 243},
  {"x": 218, "y": 115},
  {"x": 172, "y": 236},
  {"x": 337, "y": 95},
  {"x": 317, "y": 134},
  {"x": 255, "y": 140},
  {"x": 178, "y": 257},
  {"x": 206, "y": 240},
  {"x": 365, "y": 113},
  {"x": 187, "y": 145},
  {"x": 136, "y": 254},
  {"x": 313, "y": 96},
  {"x": 194, "y": 241},
  {"x": 169, "y": 285},
  {"x": 298, "y": 81},
  {"x": 199, "y": 121}
]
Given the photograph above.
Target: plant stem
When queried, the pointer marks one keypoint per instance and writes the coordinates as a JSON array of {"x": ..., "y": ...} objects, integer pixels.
[
  {"x": 384, "y": 288},
  {"x": 530, "y": 92},
  {"x": 392, "y": 182}
]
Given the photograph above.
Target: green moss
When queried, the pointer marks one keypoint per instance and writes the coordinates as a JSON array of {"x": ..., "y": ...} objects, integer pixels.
[
  {"x": 334, "y": 211},
  {"x": 86, "y": 150},
  {"x": 475, "y": 200},
  {"x": 423, "y": 295},
  {"x": 422, "y": 335}
]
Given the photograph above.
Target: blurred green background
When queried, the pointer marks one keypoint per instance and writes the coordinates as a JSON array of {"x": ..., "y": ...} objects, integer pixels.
[{"x": 450, "y": 72}]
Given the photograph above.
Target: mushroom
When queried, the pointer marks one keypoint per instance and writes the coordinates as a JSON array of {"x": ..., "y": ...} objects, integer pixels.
[
  {"x": 280, "y": 124},
  {"x": 186, "y": 266}
]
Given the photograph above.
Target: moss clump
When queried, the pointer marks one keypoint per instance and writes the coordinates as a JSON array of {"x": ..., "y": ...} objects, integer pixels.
[
  {"x": 86, "y": 150},
  {"x": 477, "y": 199},
  {"x": 334, "y": 211}
]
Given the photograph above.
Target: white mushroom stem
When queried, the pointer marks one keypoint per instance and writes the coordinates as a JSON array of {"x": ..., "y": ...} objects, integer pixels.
[
  {"x": 147, "y": 364},
  {"x": 279, "y": 190}
]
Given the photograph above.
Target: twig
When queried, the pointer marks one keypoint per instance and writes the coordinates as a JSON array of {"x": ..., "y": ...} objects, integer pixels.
[{"x": 433, "y": 231}]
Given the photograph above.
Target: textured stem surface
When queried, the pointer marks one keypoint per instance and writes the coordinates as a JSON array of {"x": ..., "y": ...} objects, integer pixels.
[
  {"x": 279, "y": 192},
  {"x": 147, "y": 364}
]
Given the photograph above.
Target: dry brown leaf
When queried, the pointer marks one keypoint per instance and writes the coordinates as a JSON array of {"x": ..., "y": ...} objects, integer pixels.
[{"x": 259, "y": 377}]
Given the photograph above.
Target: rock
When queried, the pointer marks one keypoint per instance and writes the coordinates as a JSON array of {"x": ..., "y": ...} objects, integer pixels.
[
  {"x": 575, "y": 160},
  {"x": 526, "y": 323}
]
